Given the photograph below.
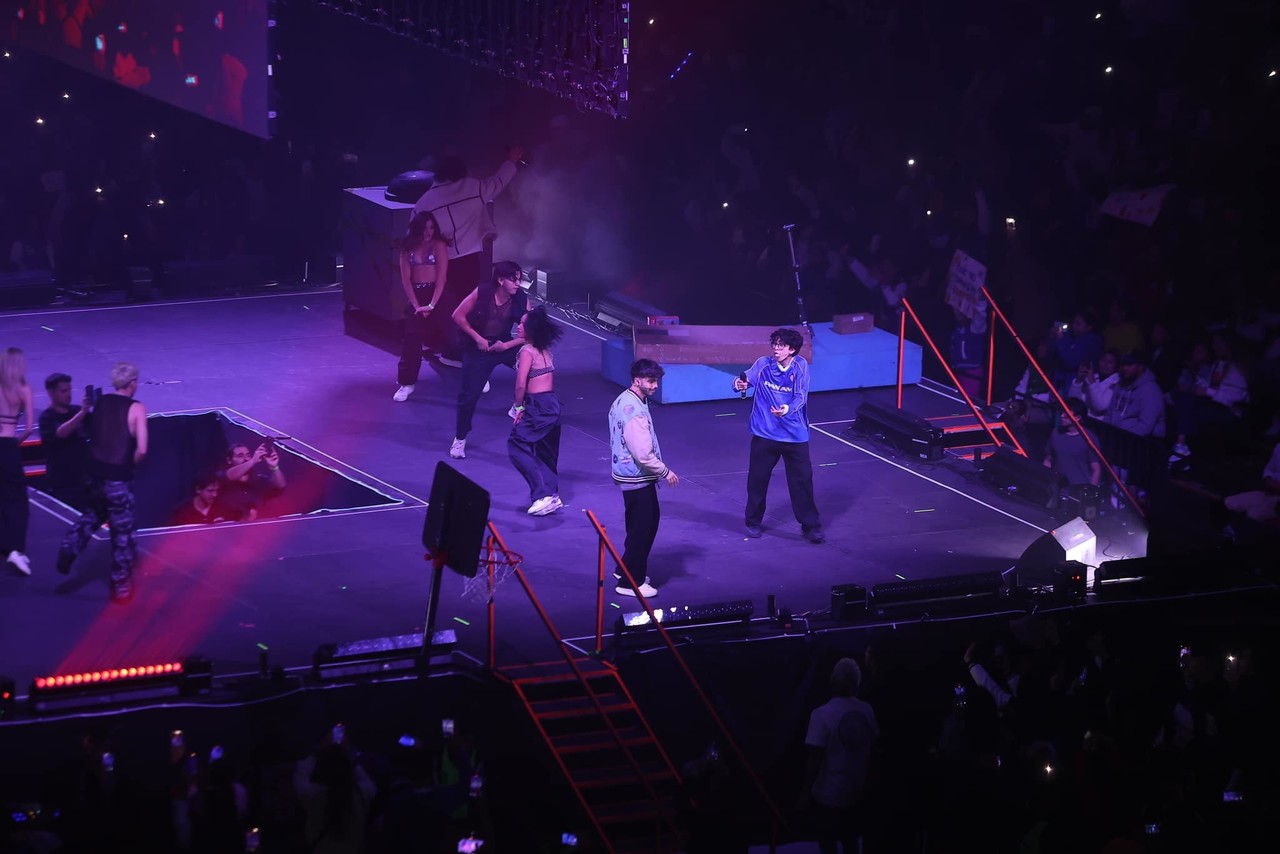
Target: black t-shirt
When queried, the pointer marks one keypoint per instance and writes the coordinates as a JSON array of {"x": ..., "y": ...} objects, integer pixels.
[
  {"x": 187, "y": 514},
  {"x": 238, "y": 497},
  {"x": 64, "y": 458}
]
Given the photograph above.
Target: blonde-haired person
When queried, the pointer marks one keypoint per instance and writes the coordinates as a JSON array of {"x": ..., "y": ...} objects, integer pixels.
[
  {"x": 117, "y": 444},
  {"x": 15, "y": 402}
]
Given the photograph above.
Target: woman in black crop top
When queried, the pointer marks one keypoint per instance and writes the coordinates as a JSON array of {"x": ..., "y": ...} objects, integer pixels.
[
  {"x": 486, "y": 317},
  {"x": 15, "y": 405},
  {"x": 534, "y": 445},
  {"x": 424, "y": 266}
]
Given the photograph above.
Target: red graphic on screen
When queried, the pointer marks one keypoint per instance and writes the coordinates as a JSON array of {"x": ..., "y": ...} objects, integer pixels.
[{"x": 160, "y": 49}]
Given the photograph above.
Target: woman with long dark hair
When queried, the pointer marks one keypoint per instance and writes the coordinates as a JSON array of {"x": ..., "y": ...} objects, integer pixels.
[
  {"x": 486, "y": 316},
  {"x": 534, "y": 445},
  {"x": 424, "y": 266},
  {"x": 15, "y": 401}
]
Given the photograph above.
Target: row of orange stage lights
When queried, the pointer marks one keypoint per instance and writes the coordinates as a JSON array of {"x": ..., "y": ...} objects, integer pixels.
[{"x": 72, "y": 680}]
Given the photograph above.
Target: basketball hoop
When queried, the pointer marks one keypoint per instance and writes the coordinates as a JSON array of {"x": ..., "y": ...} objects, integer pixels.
[{"x": 478, "y": 589}]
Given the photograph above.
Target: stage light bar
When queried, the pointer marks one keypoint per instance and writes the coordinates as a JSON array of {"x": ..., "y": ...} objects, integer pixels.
[
  {"x": 121, "y": 684},
  {"x": 392, "y": 655},
  {"x": 948, "y": 590},
  {"x": 687, "y": 615}
]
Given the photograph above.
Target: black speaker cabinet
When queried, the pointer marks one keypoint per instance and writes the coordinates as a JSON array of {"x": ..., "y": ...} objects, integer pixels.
[{"x": 1028, "y": 479}]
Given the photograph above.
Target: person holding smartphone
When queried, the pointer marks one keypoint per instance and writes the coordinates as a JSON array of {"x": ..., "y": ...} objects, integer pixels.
[{"x": 250, "y": 479}]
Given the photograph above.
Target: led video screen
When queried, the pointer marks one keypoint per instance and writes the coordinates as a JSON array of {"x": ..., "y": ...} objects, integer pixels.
[{"x": 210, "y": 58}]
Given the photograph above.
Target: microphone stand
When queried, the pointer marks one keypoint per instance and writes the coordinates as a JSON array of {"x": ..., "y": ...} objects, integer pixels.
[{"x": 795, "y": 271}]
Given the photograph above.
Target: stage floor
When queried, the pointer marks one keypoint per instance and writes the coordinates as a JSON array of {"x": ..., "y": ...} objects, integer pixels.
[{"x": 293, "y": 584}]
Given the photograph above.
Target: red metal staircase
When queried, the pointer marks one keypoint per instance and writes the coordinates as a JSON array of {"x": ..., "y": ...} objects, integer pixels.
[{"x": 619, "y": 772}]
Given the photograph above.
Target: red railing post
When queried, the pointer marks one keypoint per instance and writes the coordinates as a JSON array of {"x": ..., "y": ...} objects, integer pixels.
[
  {"x": 600, "y": 598},
  {"x": 902, "y": 346},
  {"x": 973, "y": 407}
]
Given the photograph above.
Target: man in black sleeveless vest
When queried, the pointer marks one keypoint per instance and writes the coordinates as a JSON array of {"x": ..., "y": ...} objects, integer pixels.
[{"x": 117, "y": 443}]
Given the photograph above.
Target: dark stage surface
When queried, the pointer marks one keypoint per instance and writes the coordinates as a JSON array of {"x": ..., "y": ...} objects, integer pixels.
[{"x": 281, "y": 365}]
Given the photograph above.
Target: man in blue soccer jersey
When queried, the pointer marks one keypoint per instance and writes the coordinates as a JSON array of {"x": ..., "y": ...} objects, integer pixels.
[{"x": 780, "y": 428}]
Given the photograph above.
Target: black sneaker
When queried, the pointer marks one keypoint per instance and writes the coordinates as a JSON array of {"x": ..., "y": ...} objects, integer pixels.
[
  {"x": 65, "y": 559},
  {"x": 815, "y": 536},
  {"x": 755, "y": 532}
]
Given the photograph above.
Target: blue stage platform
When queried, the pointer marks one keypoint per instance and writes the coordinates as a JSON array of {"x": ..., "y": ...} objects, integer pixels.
[{"x": 861, "y": 360}]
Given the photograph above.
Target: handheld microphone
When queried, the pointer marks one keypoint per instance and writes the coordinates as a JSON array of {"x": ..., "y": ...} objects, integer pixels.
[{"x": 743, "y": 376}]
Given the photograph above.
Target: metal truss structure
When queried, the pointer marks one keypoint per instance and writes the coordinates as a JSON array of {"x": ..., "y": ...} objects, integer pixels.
[{"x": 575, "y": 49}]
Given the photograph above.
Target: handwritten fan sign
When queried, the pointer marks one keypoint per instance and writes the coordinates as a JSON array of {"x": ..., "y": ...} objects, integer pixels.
[
  {"x": 964, "y": 284},
  {"x": 1140, "y": 206}
]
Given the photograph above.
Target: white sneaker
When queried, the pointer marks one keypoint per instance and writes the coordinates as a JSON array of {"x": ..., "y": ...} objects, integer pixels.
[
  {"x": 402, "y": 393},
  {"x": 458, "y": 450},
  {"x": 546, "y": 506},
  {"x": 486, "y": 387},
  {"x": 542, "y": 506},
  {"x": 453, "y": 363},
  {"x": 21, "y": 561},
  {"x": 647, "y": 590}
]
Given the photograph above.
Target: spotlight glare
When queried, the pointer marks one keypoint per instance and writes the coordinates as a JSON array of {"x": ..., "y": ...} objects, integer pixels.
[
  {"x": 39, "y": 120},
  {"x": 911, "y": 161},
  {"x": 724, "y": 204},
  {"x": 151, "y": 135},
  {"x": 928, "y": 213},
  {"x": 66, "y": 96},
  {"x": 651, "y": 22},
  {"x": 1273, "y": 73},
  {"x": 1098, "y": 16},
  {"x": 1107, "y": 69},
  {"x": 98, "y": 190},
  {"x": 159, "y": 201}
]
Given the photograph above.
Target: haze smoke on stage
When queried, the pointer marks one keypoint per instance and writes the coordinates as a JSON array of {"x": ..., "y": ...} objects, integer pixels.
[{"x": 569, "y": 209}]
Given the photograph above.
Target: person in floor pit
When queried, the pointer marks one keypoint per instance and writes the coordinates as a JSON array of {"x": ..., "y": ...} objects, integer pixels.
[
  {"x": 486, "y": 317},
  {"x": 65, "y": 442},
  {"x": 1069, "y": 454},
  {"x": 638, "y": 468},
  {"x": 460, "y": 206},
  {"x": 780, "y": 429},
  {"x": 117, "y": 444},
  {"x": 534, "y": 445},
  {"x": 424, "y": 269},
  {"x": 203, "y": 508},
  {"x": 16, "y": 405},
  {"x": 250, "y": 479}
]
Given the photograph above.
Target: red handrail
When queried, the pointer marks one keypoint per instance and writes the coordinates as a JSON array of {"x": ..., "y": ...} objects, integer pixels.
[
  {"x": 973, "y": 407},
  {"x": 684, "y": 666},
  {"x": 495, "y": 537}
]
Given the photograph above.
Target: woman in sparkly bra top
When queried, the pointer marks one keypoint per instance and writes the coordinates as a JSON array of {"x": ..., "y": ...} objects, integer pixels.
[
  {"x": 534, "y": 445},
  {"x": 424, "y": 265}
]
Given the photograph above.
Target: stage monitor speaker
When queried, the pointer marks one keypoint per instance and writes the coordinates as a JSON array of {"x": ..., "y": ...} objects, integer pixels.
[
  {"x": 620, "y": 313},
  {"x": 948, "y": 590},
  {"x": 1074, "y": 541},
  {"x": 848, "y": 602},
  {"x": 27, "y": 289},
  {"x": 908, "y": 433},
  {"x": 1014, "y": 474}
]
